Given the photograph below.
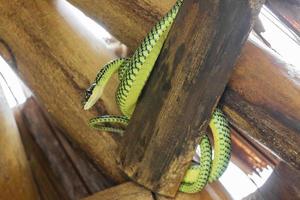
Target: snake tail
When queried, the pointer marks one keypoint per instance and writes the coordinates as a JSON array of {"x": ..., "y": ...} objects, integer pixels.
[
  {"x": 94, "y": 92},
  {"x": 199, "y": 178}
]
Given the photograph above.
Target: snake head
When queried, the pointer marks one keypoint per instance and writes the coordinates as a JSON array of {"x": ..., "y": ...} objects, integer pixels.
[{"x": 92, "y": 94}]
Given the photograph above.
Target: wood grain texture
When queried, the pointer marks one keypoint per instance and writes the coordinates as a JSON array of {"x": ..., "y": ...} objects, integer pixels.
[
  {"x": 58, "y": 58},
  {"x": 262, "y": 101},
  {"x": 71, "y": 176},
  {"x": 126, "y": 191},
  {"x": 182, "y": 91},
  {"x": 16, "y": 180},
  {"x": 263, "y": 66},
  {"x": 47, "y": 187},
  {"x": 130, "y": 20}
]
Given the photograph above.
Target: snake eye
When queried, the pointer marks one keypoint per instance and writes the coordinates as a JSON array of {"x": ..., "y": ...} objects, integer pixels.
[{"x": 89, "y": 92}]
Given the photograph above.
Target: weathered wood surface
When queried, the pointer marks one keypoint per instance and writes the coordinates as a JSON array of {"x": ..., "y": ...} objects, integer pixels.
[
  {"x": 16, "y": 181},
  {"x": 129, "y": 21},
  {"x": 126, "y": 191},
  {"x": 47, "y": 187},
  {"x": 131, "y": 191},
  {"x": 288, "y": 12},
  {"x": 212, "y": 191},
  {"x": 59, "y": 171},
  {"x": 58, "y": 60},
  {"x": 182, "y": 91},
  {"x": 262, "y": 101},
  {"x": 264, "y": 67}
]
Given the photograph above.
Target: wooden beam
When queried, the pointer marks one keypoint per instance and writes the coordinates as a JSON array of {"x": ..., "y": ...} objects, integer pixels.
[
  {"x": 16, "y": 180},
  {"x": 58, "y": 60},
  {"x": 263, "y": 101},
  {"x": 45, "y": 181},
  {"x": 262, "y": 64},
  {"x": 129, "y": 21},
  {"x": 182, "y": 91},
  {"x": 72, "y": 176},
  {"x": 126, "y": 191},
  {"x": 211, "y": 192},
  {"x": 58, "y": 71}
]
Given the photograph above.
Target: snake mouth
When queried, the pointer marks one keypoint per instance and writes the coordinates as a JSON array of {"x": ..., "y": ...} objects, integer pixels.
[{"x": 92, "y": 94}]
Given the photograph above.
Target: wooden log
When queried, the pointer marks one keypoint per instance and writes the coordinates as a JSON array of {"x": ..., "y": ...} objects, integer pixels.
[
  {"x": 182, "y": 91},
  {"x": 211, "y": 192},
  {"x": 72, "y": 176},
  {"x": 52, "y": 65},
  {"x": 288, "y": 12},
  {"x": 263, "y": 65},
  {"x": 58, "y": 60},
  {"x": 132, "y": 191},
  {"x": 263, "y": 101},
  {"x": 126, "y": 191},
  {"x": 45, "y": 181},
  {"x": 129, "y": 21},
  {"x": 16, "y": 180}
]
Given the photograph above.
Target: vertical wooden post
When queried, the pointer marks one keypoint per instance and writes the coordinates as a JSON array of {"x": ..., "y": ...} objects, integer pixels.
[
  {"x": 184, "y": 88},
  {"x": 16, "y": 181}
]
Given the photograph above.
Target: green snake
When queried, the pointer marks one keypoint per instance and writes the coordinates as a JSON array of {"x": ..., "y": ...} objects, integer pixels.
[{"x": 133, "y": 73}]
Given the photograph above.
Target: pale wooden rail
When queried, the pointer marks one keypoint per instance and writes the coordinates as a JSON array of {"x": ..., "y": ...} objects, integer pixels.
[{"x": 16, "y": 180}]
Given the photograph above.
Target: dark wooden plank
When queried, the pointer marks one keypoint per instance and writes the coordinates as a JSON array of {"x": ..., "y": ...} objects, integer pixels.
[
  {"x": 16, "y": 181},
  {"x": 38, "y": 163},
  {"x": 182, "y": 91},
  {"x": 93, "y": 178},
  {"x": 60, "y": 167},
  {"x": 126, "y": 191},
  {"x": 57, "y": 163}
]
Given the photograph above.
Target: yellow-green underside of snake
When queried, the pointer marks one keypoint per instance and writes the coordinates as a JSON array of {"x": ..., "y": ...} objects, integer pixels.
[{"x": 133, "y": 74}]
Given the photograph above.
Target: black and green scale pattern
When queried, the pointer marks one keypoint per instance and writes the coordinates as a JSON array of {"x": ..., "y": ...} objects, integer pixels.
[
  {"x": 222, "y": 144},
  {"x": 203, "y": 168},
  {"x": 135, "y": 72},
  {"x": 100, "y": 123}
]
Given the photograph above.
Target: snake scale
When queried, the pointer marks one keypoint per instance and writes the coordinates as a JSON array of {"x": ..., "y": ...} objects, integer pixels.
[{"x": 133, "y": 73}]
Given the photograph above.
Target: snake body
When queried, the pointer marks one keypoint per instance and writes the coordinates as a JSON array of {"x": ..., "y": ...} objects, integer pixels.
[{"x": 133, "y": 73}]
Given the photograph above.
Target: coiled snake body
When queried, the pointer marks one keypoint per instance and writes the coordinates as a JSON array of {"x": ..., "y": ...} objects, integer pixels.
[{"x": 133, "y": 74}]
